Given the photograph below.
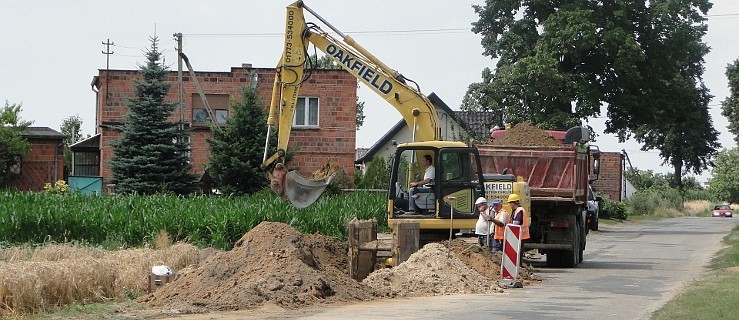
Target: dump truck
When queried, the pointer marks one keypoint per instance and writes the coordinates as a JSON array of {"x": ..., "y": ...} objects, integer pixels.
[{"x": 556, "y": 178}]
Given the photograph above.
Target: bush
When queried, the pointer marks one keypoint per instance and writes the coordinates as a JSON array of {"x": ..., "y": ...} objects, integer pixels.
[
  {"x": 663, "y": 201},
  {"x": 611, "y": 209}
]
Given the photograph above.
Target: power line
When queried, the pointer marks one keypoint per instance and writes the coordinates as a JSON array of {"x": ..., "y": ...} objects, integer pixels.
[{"x": 378, "y": 32}]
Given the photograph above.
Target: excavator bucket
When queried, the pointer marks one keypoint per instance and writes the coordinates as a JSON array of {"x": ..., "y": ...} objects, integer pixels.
[{"x": 302, "y": 192}]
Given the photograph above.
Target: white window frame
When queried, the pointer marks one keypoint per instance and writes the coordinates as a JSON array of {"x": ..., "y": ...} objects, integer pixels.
[{"x": 306, "y": 112}]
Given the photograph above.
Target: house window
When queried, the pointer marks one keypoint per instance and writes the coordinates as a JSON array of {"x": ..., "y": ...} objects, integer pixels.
[
  {"x": 218, "y": 104},
  {"x": 86, "y": 164},
  {"x": 201, "y": 115},
  {"x": 306, "y": 112}
]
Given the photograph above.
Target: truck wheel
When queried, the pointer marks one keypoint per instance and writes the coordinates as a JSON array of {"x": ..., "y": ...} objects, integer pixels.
[
  {"x": 594, "y": 222},
  {"x": 570, "y": 258},
  {"x": 554, "y": 258},
  {"x": 583, "y": 242}
]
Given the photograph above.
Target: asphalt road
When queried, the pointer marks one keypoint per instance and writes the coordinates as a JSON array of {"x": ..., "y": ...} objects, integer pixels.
[{"x": 630, "y": 270}]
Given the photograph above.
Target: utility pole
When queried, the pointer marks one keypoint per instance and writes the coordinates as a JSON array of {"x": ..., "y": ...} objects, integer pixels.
[
  {"x": 107, "y": 54},
  {"x": 180, "y": 85}
]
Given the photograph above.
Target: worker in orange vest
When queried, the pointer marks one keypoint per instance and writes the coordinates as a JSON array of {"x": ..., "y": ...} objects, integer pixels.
[
  {"x": 519, "y": 218},
  {"x": 500, "y": 220}
]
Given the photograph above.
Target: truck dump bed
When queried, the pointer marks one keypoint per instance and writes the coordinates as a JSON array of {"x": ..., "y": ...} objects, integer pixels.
[{"x": 550, "y": 171}]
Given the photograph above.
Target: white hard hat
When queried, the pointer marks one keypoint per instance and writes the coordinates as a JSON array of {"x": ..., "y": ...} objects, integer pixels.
[{"x": 481, "y": 200}]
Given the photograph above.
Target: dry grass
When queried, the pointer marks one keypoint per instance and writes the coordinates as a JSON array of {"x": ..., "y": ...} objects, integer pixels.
[
  {"x": 698, "y": 208},
  {"x": 52, "y": 276}
]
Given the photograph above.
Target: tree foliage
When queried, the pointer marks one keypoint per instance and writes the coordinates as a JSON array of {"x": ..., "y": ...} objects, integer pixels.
[
  {"x": 13, "y": 147},
  {"x": 327, "y": 63},
  {"x": 725, "y": 180},
  {"x": 152, "y": 155},
  {"x": 560, "y": 61},
  {"x": 730, "y": 106},
  {"x": 236, "y": 150},
  {"x": 71, "y": 128},
  {"x": 645, "y": 179},
  {"x": 377, "y": 175}
]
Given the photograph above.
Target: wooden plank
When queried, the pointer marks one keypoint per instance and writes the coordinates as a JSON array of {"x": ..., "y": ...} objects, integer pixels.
[
  {"x": 406, "y": 235},
  {"x": 361, "y": 262}
]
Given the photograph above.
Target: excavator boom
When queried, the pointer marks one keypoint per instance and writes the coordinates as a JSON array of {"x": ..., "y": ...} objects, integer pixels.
[{"x": 418, "y": 112}]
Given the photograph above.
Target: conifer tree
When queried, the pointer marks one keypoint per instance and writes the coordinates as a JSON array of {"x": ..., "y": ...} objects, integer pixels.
[
  {"x": 236, "y": 151},
  {"x": 152, "y": 154}
]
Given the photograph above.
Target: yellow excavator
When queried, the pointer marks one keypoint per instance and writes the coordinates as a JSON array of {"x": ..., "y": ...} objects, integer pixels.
[{"x": 444, "y": 204}]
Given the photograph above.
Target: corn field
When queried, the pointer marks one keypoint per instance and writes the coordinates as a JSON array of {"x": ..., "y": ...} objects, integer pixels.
[{"x": 131, "y": 221}]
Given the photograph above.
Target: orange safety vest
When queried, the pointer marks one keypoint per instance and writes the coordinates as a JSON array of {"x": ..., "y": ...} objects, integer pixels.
[
  {"x": 500, "y": 231},
  {"x": 525, "y": 226}
]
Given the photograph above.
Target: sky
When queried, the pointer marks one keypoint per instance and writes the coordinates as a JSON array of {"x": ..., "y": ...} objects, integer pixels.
[{"x": 51, "y": 50}]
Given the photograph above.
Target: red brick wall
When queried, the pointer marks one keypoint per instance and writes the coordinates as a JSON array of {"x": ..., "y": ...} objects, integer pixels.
[
  {"x": 334, "y": 140},
  {"x": 44, "y": 164},
  {"x": 610, "y": 180}
]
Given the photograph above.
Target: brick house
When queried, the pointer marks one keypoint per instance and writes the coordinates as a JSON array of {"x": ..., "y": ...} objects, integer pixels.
[
  {"x": 45, "y": 163},
  {"x": 611, "y": 181},
  {"x": 324, "y": 129}
]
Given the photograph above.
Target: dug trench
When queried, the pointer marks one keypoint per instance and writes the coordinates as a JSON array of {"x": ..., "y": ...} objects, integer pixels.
[{"x": 275, "y": 265}]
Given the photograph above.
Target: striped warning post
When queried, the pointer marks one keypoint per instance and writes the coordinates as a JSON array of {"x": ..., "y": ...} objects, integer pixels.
[{"x": 511, "y": 248}]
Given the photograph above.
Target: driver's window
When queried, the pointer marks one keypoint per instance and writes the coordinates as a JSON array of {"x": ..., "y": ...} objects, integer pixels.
[{"x": 451, "y": 167}]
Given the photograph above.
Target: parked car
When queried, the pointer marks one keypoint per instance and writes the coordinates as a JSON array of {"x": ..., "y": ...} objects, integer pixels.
[
  {"x": 722, "y": 210},
  {"x": 593, "y": 205}
]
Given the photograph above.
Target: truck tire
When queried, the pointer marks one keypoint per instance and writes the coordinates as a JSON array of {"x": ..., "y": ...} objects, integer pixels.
[
  {"x": 570, "y": 258},
  {"x": 583, "y": 242},
  {"x": 554, "y": 258},
  {"x": 594, "y": 222}
]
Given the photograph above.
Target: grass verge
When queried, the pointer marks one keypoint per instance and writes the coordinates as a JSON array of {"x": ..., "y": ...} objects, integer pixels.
[{"x": 713, "y": 296}]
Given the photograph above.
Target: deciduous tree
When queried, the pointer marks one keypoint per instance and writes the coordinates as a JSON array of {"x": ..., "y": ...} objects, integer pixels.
[
  {"x": 560, "y": 61},
  {"x": 13, "y": 147},
  {"x": 725, "y": 176},
  {"x": 71, "y": 128},
  {"x": 730, "y": 106}
]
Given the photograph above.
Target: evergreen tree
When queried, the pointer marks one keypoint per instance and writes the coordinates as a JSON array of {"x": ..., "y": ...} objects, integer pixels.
[
  {"x": 152, "y": 154},
  {"x": 236, "y": 151}
]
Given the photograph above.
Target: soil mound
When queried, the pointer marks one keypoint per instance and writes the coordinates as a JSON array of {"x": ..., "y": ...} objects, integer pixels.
[
  {"x": 526, "y": 134},
  {"x": 271, "y": 264},
  {"x": 433, "y": 270}
]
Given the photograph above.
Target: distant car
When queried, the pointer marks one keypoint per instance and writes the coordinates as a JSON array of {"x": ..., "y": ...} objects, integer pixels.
[{"x": 722, "y": 210}]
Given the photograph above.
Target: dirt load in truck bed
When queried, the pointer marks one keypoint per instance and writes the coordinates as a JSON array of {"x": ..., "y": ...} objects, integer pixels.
[{"x": 525, "y": 134}]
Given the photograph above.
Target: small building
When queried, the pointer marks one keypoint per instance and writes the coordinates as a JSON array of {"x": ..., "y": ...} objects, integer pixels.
[
  {"x": 324, "y": 129},
  {"x": 452, "y": 129},
  {"x": 44, "y": 164}
]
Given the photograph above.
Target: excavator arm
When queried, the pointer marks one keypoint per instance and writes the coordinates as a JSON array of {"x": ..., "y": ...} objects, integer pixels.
[{"x": 417, "y": 111}]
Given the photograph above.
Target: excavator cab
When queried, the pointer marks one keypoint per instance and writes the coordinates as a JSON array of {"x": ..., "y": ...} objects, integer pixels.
[{"x": 449, "y": 197}]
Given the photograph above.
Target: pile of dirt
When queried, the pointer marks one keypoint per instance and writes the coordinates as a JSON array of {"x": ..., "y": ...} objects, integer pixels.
[
  {"x": 433, "y": 270},
  {"x": 275, "y": 265},
  {"x": 526, "y": 134},
  {"x": 271, "y": 264}
]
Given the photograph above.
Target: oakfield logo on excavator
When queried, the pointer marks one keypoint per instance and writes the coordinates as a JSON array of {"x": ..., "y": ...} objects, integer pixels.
[{"x": 360, "y": 70}]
